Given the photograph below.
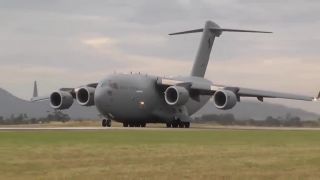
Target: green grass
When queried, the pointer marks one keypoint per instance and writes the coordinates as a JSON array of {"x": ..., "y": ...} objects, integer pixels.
[{"x": 125, "y": 154}]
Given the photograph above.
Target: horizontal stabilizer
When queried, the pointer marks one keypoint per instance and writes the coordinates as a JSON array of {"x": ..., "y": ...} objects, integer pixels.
[
  {"x": 240, "y": 30},
  {"x": 220, "y": 30},
  {"x": 187, "y": 32}
]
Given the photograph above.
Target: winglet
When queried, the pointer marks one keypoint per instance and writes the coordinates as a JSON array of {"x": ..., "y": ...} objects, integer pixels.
[
  {"x": 317, "y": 98},
  {"x": 35, "y": 89}
]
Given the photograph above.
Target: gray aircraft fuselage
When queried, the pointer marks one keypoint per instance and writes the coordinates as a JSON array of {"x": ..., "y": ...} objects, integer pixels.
[{"x": 136, "y": 97}]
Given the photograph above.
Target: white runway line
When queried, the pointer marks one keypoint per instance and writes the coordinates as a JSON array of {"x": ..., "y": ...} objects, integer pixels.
[{"x": 155, "y": 128}]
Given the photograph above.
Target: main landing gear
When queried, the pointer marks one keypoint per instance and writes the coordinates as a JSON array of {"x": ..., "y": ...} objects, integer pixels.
[
  {"x": 134, "y": 124},
  {"x": 106, "y": 123},
  {"x": 179, "y": 124}
]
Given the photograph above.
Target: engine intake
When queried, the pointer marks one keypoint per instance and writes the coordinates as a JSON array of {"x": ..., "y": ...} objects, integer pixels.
[
  {"x": 85, "y": 96},
  {"x": 176, "y": 95},
  {"x": 61, "y": 100},
  {"x": 224, "y": 99}
]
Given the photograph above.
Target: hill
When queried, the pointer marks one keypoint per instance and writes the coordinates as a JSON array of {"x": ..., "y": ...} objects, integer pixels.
[
  {"x": 259, "y": 111},
  {"x": 10, "y": 104}
]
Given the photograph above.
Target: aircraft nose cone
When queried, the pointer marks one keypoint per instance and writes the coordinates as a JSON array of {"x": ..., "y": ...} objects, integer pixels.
[{"x": 100, "y": 99}]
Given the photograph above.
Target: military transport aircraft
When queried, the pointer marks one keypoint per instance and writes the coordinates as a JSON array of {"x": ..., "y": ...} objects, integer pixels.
[{"x": 137, "y": 99}]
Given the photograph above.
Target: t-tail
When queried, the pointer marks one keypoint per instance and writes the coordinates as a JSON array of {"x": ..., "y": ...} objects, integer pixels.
[{"x": 210, "y": 31}]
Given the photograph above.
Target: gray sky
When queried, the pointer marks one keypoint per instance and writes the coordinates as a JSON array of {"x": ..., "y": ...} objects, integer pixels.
[{"x": 67, "y": 43}]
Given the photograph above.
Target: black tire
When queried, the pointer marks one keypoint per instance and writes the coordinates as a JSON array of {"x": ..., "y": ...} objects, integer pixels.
[
  {"x": 108, "y": 122},
  {"x": 125, "y": 124},
  {"x": 104, "y": 123},
  {"x": 175, "y": 124},
  {"x": 136, "y": 124}
]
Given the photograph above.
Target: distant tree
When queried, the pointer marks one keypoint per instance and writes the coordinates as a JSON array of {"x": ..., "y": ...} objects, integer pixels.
[
  {"x": 210, "y": 117},
  {"x": 270, "y": 121},
  {"x": 293, "y": 121},
  {"x": 12, "y": 117},
  {"x": 2, "y": 121},
  {"x": 227, "y": 119},
  {"x": 33, "y": 121},
  {"x": 288, "y": 116},
  {"x": 58, "y": 116},
  {"x": 25, "y": 116}
]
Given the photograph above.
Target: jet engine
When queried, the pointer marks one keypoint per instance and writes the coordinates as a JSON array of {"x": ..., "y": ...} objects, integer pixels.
[
  {"x": 224, "y": 99},
  {"x": 85, "y": 96},
  {"x": 176, "y": 95},
  {"x": 61, "y": 100}
]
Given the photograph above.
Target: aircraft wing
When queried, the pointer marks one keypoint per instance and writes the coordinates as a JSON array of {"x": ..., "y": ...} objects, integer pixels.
[
  {"x": 47, "y": 97},
  {"x": 72, "y": 91},
  {"x": 209, "y": 89},
  {"x": 39, "y": 98},
  {"x": 260, "y": 94}
]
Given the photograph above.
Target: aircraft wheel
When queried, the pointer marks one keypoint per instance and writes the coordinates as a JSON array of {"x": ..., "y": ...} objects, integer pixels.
[
  {"x": 104, "y": 123},
  {"x": 175, "y": 124},
  {"x": 136, "y": 124},
  {"x": 108, "y": 122}
]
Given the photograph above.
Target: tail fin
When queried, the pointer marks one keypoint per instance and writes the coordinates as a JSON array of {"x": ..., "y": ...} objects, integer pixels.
[
  {"x": 35, "y": 89},
  {"x": 210, "y": 31}
]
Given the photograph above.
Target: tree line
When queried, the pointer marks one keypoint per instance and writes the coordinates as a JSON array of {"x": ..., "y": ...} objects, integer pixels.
[
  {"x": 229, "y": 119},
  {"x": 24, "y": 119},
  {"x": 220, "y": 119}
]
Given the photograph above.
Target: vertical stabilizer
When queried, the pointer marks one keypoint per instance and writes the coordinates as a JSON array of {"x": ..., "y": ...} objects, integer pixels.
[
  {"x": 210, "y": 31},
  {"x": 203, "y": 54},
  {"x": 35, "y": 89}
]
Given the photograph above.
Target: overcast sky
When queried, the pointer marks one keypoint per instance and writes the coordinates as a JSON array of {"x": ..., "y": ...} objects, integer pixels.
[{"x": 67, "y": 43}]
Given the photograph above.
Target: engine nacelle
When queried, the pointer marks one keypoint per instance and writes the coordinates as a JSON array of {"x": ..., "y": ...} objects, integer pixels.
[
  {"x": 176, "y": 95},
  {"x": 85, "y": 96},
  {"x": 61, "y": 100},
  {"x": 224, "y": 99}
]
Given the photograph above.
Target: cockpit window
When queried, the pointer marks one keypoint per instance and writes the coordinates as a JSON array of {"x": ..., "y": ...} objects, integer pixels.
[
  {"x": 113, "y": 85},
  {"x": 109, "y": 83},
  {"x": 103, "y": 84}
]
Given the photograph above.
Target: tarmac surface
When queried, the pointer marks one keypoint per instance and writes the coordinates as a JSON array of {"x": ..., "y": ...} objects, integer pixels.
[{"x": 2, "y": 129}]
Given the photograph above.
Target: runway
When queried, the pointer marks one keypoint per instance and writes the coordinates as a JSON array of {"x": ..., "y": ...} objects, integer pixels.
[{"x": 206, "y": 128}]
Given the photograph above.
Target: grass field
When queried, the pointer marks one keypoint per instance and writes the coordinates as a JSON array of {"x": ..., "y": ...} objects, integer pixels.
[{"x": 160, "y": 154}]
